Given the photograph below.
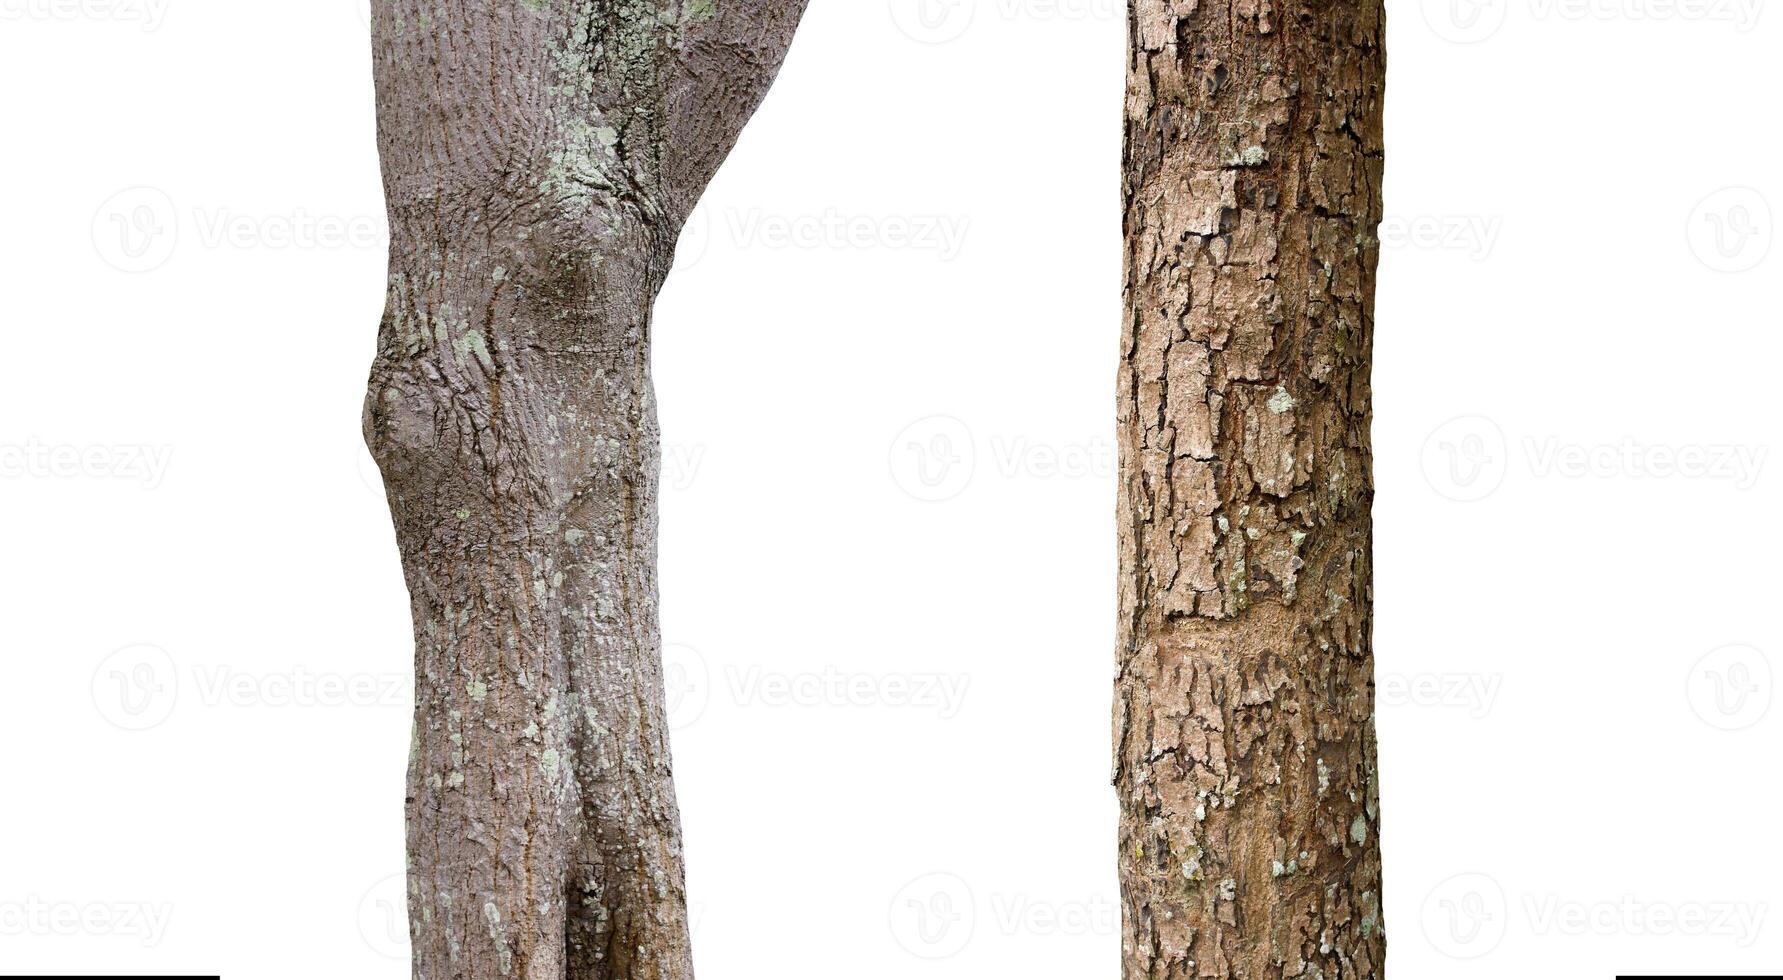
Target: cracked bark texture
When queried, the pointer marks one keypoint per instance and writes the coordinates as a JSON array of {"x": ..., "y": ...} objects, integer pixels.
[
  {"x": 1245, "y": 744},
  {"x": 540, "y": 158}
]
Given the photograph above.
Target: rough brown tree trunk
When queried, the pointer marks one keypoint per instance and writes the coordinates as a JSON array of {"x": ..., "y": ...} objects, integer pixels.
[
  {"x": 1245, "y": 757},
  {"x": 540, "y": 158}
]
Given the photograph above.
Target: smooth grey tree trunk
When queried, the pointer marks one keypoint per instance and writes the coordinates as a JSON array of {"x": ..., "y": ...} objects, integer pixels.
[
  {"x": 540, "y": 158},
  {"x": 1244, "y": 720}
]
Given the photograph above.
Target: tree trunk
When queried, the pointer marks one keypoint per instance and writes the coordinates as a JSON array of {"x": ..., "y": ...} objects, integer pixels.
[
  {"x": 1245, "y": 757},
  {"x": 539, "y": 159}
]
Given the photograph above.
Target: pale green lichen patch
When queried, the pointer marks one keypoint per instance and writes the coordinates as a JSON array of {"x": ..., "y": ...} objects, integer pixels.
[
  {"x": 504, "y": 954},
  {"x": 477, "y": 690},
  {"x": 471, "y": 343},
  {"x": 578, "y": 170},
  {"x": 1281, "y": 402},
  {"x": 1359, "y": 830}
]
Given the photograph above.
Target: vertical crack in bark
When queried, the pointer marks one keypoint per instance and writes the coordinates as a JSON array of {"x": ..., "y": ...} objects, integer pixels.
[
  {"x": 1244, "y": 734},
  {"x": 540, "y": 157}
]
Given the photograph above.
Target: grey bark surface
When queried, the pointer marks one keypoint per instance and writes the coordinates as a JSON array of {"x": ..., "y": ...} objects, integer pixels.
[
  {"x": 540, "y": 158},
  {"x": 1244, "y": 718}
]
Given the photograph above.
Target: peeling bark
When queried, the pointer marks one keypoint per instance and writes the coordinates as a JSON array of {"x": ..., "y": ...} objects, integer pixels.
[
  {"x": 540, "y": 158},
  {"x": 1244, "y": 719}
]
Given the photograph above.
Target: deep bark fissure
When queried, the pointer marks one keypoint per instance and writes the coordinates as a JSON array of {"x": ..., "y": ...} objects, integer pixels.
[
  {"x": 540, "y": 157},
  {"x": 1245, "y": 746}
]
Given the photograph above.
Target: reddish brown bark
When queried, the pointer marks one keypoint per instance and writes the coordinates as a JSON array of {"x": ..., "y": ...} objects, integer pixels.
[{"x": 1244, "y": 720}]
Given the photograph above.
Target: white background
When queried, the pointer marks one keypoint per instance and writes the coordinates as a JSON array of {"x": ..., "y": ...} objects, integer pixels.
[{"x": 904, "y": 286}]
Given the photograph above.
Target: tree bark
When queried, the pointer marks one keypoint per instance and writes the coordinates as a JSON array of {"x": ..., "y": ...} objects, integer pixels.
[
  {"x": 1245, "y": 758},
  {"x": 540, "y": 158}
]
